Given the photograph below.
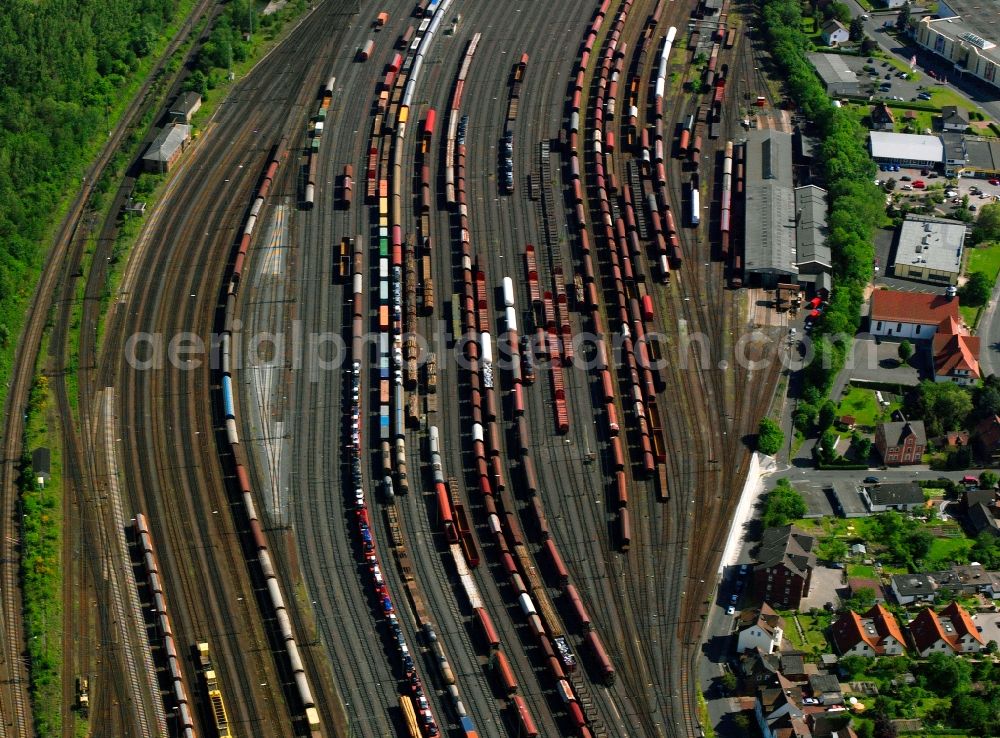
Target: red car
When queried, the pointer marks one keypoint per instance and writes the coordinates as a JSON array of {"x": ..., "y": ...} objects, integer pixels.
[
  {"x": 995, "y": 181},
  {"x": 919, "y": 184}
]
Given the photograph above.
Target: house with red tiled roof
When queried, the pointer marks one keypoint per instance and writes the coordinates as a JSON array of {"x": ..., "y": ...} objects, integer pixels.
[
  {"x": 956, "y": 353},
  {"x": 876, "y": 633},
  {"x": 882, "y": 118},
  {"x": 951, "y": 631},
  {"x": 909, "y": 314}
]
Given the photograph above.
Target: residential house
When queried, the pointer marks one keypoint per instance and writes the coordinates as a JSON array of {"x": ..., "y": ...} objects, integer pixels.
[
  {"x": 835, "y": 33},
  {"x": 763, "y": 668},
  {"x": 786, "y": 559},
  {"x": 963, "y": 580},
  {"x": 987, "y": 438},
  {"x": 764, "y": 632},
  {"x": 972, "y": 497},
  {"x": 983, "y": 518},
  {"x": 899, "y": 443},
  {"x": 916, "y": 315},
  {"x": 910, "y": 588},
  {"x": 956, "y": 354},
  {"x": 826, "y": 689},
  {"x": 951, "y": 631},
  {"x": 779, "y": 711},
  {"x": 882, "y": 118},
  {"x": 876, "y": 633},
  {"x": 954, "y": 118}
]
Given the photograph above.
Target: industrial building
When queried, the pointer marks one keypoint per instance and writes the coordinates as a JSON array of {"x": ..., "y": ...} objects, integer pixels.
[
  {"x": 837, "y": 77},
  {"x": 929, "y": 250},
  {"x": 982, "y": 157},
  {"x": 966, "y": 35},
  {"x": 166, "y": 148},
  {"x": 906, "y": 149},
  {"x": 785, "y": 227}
]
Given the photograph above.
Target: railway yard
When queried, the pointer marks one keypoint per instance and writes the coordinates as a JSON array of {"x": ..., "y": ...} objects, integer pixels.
[{"x": 422, "y": 406}]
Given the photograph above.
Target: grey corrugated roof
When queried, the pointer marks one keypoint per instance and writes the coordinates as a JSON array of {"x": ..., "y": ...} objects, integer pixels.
[
  {"x": 770, "y": 203},
  {"x": 912, "y": 585},
  {"x": 906, "y": 493},
  {"x": 810, "y": 233},
  {"x": 166, "y": 144},
  {"x": 832, "y": 69}
]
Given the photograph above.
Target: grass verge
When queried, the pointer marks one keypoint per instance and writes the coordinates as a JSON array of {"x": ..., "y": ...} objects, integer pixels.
[
  {"x": 41, "y": 563},
  {"x": 706, "y": 721}
]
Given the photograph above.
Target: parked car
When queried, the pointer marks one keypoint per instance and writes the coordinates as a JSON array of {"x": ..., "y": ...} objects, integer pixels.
[
  {"x": 733, "y": 598},
  {"x": 925, "y": 172},
  {"x": 905, "y": 178},
  {"x": 995, "y": 182},
  {"x": 972, "y": 208},
  {"x": 871, "y": 480},
  {"x": 919, "y": 184},
  {"x": 730, "y": 610},
  {"x": 907, "y": 187}
]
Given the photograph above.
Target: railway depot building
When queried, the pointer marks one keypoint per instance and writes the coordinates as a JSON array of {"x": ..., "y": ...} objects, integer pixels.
[
  {"x": 166, "y": 148},
  {"x": 966, "y": 35},
  {"x": 785, "y": 226}
]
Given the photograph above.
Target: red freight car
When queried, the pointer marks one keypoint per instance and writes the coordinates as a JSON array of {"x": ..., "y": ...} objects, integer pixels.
[
  {"x": 505, "y": 675},
  {"x": 486, "y": 627}
]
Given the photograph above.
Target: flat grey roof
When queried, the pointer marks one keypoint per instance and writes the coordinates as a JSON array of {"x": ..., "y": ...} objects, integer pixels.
[
  {"x": 905, "y": 146},
  {"x": 770, "y": 203},
  {"x": 167, "y": 142},
  {"x": 810, "y": 239},
  {"x": 832, "y": 69},
  {"x": 934, "y": 243},
  {"x": 982, "y": 153}
]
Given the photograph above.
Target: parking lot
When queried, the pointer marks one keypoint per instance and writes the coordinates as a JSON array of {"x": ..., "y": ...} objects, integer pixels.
[{"x": 874, "y": 73}]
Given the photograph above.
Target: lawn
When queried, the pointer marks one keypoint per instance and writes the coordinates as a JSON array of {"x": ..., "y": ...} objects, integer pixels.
[
  {"x": 813, "y": 628},
  {"x": 809, "y": 26},
  {"x": 941, "y": 96},
  {"x": 862, "y": 404},
  {"x": 924, "y": 120},
  {"x": 863, "y": 571},
  {"x": 984, "y": 259},
  {"x": 946, "y": 551}
]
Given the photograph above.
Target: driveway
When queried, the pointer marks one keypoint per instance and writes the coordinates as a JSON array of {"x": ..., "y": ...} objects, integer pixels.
[
  {"x": 823, "y": 588},
  {"x": 874, "y": 360}
]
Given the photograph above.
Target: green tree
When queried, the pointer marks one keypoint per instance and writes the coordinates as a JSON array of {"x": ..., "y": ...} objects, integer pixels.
[
  {"x": 770, "y": 438},
  {"x": 862, "y": 448},
  {"x": 861, "y": 600},
  {"x": 828, "y": 446},
  {"x": 905, "y": 350},
  {"x": 840, "y": 11},
  {"x": 868, "y": 45},
  {"x": 783, "y": 505},
  {"x": 986, "y": 398},
  {"x": 890, "y": 184},
  {"x": 832, "y": 549},
  {"x": 729, "y": 682},
  {"x": 943, "y": 406},
  {"x": 946, "y": 675},
  {"x": 988, "y": 479},
  {"x": 857, "y": 29},
  {"x": 976, "y": 291},
  {"x": 827, "y": 414},
  {"x": 903, "y": 19},
  {"x": 987, "y": 226},
  {"x": 854, "y": 665}
]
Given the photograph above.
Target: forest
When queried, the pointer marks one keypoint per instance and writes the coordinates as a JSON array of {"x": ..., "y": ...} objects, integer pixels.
[{"x": 65, "y": 66}]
